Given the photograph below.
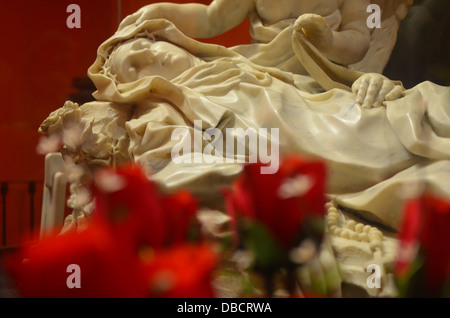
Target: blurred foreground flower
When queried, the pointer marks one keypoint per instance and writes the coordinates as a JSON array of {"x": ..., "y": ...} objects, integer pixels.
[
  {"x": 184, "y": 271},
  {"x": 423, "y": 258},
  {"x": 130, "y": 204},
  {"x": 278, "y": 217},
  {"x": 138, "y": 244},
  {"x": 49, "y": 144},
  {"x": 41, "y": 270}
]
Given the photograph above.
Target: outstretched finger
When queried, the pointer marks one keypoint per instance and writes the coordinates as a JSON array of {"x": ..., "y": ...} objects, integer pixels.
[
  {"x": 385, "y": 89},
  {"x": 362, "y": 91},
  {"x": 395, "y": 93}
]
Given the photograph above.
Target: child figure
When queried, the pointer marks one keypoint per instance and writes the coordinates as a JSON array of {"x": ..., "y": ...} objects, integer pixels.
[{"x": 336, "y": 27}]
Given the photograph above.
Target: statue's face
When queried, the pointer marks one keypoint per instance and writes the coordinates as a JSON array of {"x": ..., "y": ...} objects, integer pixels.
[{"x": 142, "y": 57}]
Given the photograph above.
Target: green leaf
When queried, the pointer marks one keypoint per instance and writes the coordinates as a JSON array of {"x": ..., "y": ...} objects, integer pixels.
[
  {"x": 269, "y": 255},
  {"x": 412, "y": 284}
]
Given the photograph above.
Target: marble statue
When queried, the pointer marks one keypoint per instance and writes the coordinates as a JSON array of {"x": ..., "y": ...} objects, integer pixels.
[
  {"x": 375, "y": 136},
  {"x": 337, "y": 28}
]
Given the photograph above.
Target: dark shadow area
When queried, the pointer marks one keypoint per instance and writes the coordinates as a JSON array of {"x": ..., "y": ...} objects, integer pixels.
[
  {"x": 84, "y": 88},
  {"x": 353, "y": 291},
  {"x": 422, "y": 52},
  {"x": 7, "y": 289}
]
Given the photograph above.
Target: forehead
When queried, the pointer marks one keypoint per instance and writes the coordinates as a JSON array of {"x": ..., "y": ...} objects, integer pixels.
[
  {"x": 164, "y": 46},
  {"x": 144, "y": 43}
]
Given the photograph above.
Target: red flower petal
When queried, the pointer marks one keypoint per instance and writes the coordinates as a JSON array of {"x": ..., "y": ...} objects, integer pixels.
[
  {"x": 184, "y": 271},
  {"x": 426, "y": 222},
  {"x": 180, "y": 210},
  {"x": 105, "y": 270},
  {"x": 256, "y": 196},
  {"x": 133, "y": 211}
]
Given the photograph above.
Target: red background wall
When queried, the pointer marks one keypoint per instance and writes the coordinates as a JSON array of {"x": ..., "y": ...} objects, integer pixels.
[{"x": 39, "y": 59}]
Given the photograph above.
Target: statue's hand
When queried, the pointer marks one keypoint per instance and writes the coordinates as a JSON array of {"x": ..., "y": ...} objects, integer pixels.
[
  {"x": 373, "y": 89},
  {"x": 316, "y": 30}
]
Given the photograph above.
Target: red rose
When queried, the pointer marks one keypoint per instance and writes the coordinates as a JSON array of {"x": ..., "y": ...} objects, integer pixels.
[
  {"x": 283, "y": 201},
  {"x": 426, "y": 225},
  {"x": 137, "y": 212},
  {"x": 409, "y": 236},
  {"x": 127, "y": 200},
  {"x": 105, "y": 269},
  {"x": 184, "y": 271},
  {"x": 180, "y": 211},
  {"x": 130, "y": 217}
]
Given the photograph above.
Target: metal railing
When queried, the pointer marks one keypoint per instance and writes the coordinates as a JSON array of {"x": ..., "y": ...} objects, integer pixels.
[{"x": 31, "y": 189}]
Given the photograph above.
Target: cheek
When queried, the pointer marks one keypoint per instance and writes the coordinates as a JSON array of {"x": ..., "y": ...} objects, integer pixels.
[
  {"x": 131, "y": 69},
  {"x": 122, "y": 67},
  {"x": 149, "y": 70},
  {"x": 180, "y": 64},
  {"x": 169, "y": 69},
  {"x": 128, "y": 74},
  {"x": 125, "y": 72}
]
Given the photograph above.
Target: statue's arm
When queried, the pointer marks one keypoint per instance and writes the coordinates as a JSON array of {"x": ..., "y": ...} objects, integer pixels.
[
  {"x": 346, "y": 46},
  {"x": 193, "y": 19},
  {"x": 351, "y": 42}
]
